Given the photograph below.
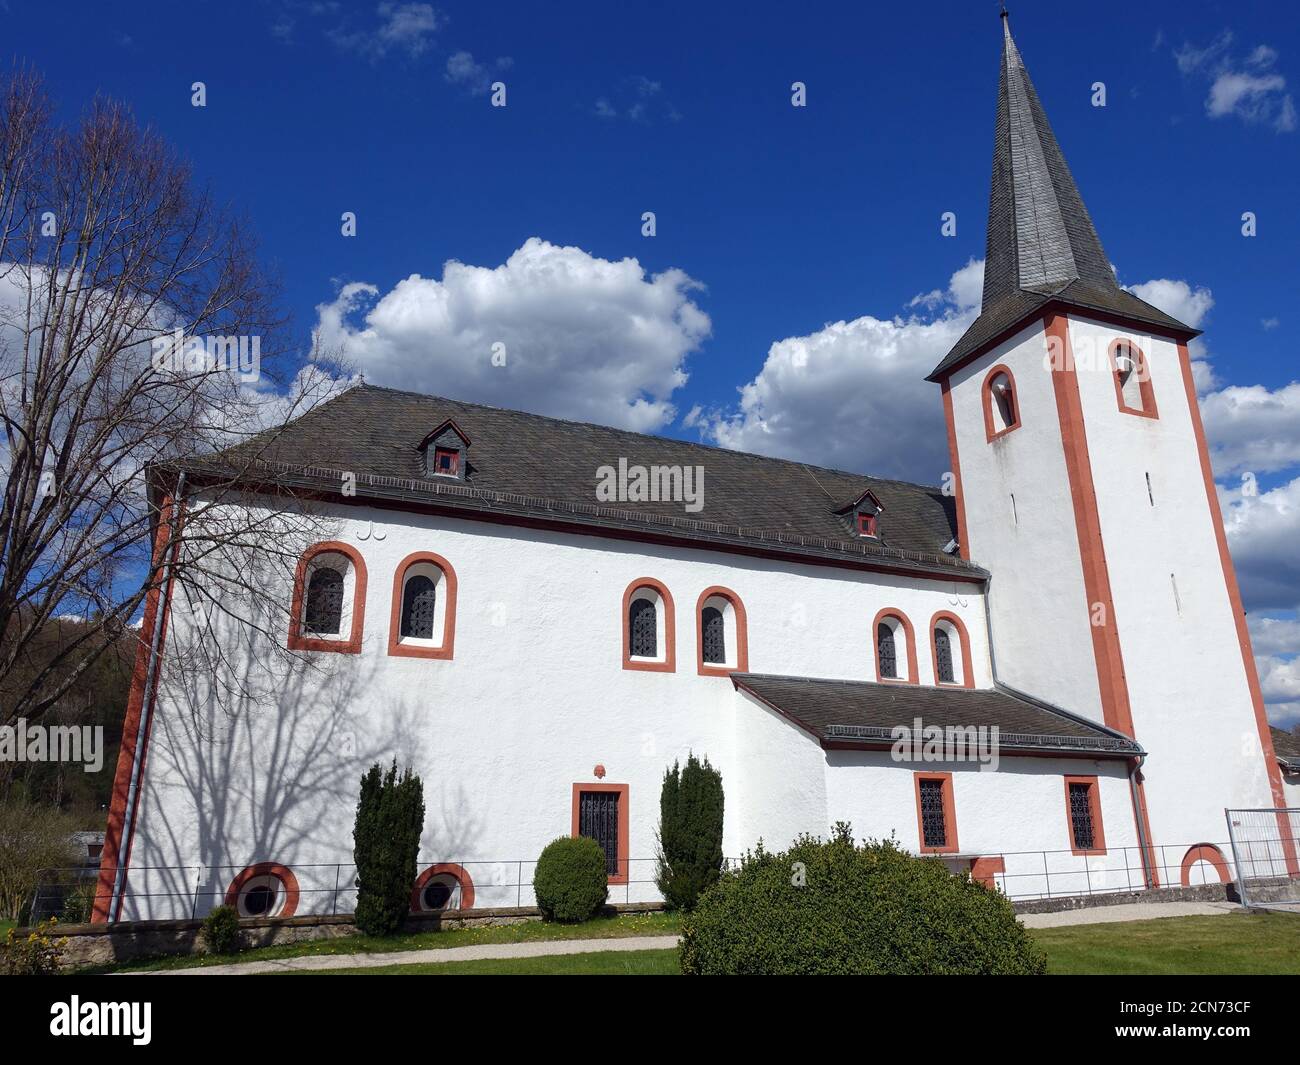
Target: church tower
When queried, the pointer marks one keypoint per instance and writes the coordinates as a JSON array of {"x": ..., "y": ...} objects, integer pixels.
[{"x": 1083, "y": 484}]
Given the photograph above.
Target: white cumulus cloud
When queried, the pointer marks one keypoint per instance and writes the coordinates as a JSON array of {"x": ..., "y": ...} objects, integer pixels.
[{"x": 553, "y": 330}]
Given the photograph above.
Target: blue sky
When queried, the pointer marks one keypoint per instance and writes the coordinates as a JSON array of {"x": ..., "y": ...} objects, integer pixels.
[{"x": 773, "y": 222}]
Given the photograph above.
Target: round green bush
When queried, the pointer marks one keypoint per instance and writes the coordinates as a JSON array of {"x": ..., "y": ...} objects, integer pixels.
[
  {"x": 570, "y": 882},
  {"x": 838, "y": 908}
]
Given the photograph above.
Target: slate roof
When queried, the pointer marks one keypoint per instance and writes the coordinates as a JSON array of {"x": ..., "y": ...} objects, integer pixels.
[
  {"x": 1042, "y": 247},
  {"x": 530, "y": 466},
  {"x": 856, "y": 713},
  {"x": 1286, "y": 745}
]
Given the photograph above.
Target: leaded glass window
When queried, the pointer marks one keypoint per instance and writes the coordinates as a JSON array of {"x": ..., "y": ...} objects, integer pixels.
[
  {"x": 885, "y": 650},
  {"x": 934, "y": 825},
  {"x": 943, "y": 657},
  {"x": 1081, "y": 816},
  {"x": 714, "y": 629},
  {"x": 643, "y": 640},
  {"x": 419, "y": 598},
  {"x": 323, "y": 613}
]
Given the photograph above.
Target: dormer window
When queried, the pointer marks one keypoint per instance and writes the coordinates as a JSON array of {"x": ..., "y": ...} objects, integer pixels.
[
  {"x": 445, "y": 450},
  {"x": 446, "y": 462},
  {"x": 862, "y": 513}
]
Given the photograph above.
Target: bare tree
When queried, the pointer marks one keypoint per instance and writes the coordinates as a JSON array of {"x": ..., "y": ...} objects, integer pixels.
[{"x": 131, "y": 309}]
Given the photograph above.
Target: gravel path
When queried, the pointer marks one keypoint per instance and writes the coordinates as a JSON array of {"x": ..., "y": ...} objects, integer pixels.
[{"x": 1130, "y": 911}]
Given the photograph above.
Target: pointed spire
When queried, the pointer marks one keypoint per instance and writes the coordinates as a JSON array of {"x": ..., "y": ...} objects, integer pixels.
[
  {"x": 1042, "y": 247},
  {"x": 1040, "y": 236}
]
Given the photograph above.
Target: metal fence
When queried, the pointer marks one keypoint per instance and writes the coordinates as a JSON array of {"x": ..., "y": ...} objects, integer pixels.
[
  {"x": 1257, "y": 849},
  {"x": 1265, "y": 845}
]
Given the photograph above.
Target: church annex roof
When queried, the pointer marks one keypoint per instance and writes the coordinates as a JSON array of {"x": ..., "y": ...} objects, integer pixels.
[
  {"x": 1042, "y": 247},
  {"x": 1286, "y": 745},
  {"x": 851, "y": 713},
  {"x": 527, "y": 468}
]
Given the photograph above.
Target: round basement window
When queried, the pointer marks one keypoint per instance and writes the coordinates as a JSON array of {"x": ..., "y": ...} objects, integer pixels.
[{"x": 262, "y": 896}]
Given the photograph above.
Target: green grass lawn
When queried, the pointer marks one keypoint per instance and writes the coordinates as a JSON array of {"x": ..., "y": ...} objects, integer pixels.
[
  {"x": 1230, "y": 945},
  {"x": 640, "y": 924},
  {"x": 1238, "y": 943},
  {"x": 603, "y": 963},
  {"x": 4, "y": 928}
]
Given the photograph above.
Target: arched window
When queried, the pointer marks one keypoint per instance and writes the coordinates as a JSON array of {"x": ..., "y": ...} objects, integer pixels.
[
  {"x": 323, "y": 614},
  {"x": 1001, "y": 403},
  {"x": 721, "y": 633},
  {"x": 423, "y": 623},
  {"x": 950, "y": 647},
  {"x": 886, "y": 653},
  {"x": 329, "y": 599},
  {"x": 943, "y": 657},
  {"x": 895, "y": 648},
  {"x": 1133, "y": 391},
  {"x": 419, "y": 602},
  {"x": 649, "y": 636},
  {"x": 643, "y": 624}
]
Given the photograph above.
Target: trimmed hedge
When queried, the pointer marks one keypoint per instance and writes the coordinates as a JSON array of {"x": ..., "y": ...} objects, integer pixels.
[
  {"x": 838, "y": 908},
  {"x": 570, "y": 881}
]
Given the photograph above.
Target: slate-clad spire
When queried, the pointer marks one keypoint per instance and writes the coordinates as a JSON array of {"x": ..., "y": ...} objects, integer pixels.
[
  {"x": 1040, "y": 236},
  {"x": 1042, "y": 247}
]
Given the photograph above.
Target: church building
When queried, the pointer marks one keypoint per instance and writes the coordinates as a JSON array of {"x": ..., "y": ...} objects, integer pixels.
[{"x": 1038, "y": 671}]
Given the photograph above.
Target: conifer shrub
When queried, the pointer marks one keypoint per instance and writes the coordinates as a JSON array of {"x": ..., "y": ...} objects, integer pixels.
[
  {"x": 571, "y": 881},
  {"x": 386, "y": 846},
  {"x": 690, "y": 832},
  {"x": 221, "y": 930},
  {"x": 838, "y": 908}
]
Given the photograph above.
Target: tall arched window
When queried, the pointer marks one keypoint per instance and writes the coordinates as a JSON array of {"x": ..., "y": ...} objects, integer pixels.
[
  {"x": 649, "y": 636},
  {"x": 950, "y": 647},
  {"x": 894, "y": 646},
  {"x": 323, "y": 614},
  {"x": 1133, "y": 391},
  {"x": 721, "y": 633},
  {"x": 943, "y": 657},
  {"x": 329, "y": 599},
  {"x": 1001, "y": 402},
  {"x": 886, "y": 653},
  {"x": 423, "y": 623},
  {"x": 643, "y": 625}
]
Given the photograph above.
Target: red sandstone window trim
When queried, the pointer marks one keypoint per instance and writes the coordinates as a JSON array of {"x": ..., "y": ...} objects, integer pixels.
[
  {"x": 668, "y": 664},
  {"x": 987, "y": 401},
  {"x": 1143, "y": 369},
  {"x": 282, "y": 873},
  {"x": 909, "y": 638},
  {"x": 963, "y": 638},
  {"x": 445, "y": 650},
  {"x": 451, "y": 869},
  {"x": 949, "y": 815},
  {"x": 622, "y": 859},
  {"x": 300, "y": 642},
  {"x": 741, "y": 658},
  {"x": 1094, "y": 805}
]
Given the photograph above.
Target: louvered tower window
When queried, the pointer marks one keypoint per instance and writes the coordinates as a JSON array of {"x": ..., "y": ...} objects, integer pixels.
[
  {"x": 419, "y": 600},
  {"x": 943, "y": 657},
  {"x": 323, "y": 614},
  {"x": 715, "y": 647},
  {"x": 885, "y": 650},
  {"x": 934, "y": 825},
  {"x": 641, "y": 624},
  {"x": 1081, "y": 817}
]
